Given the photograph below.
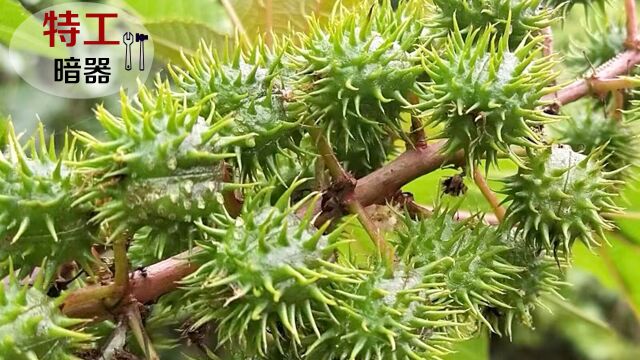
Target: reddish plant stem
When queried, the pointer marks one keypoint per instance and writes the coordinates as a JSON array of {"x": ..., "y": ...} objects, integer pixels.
[
  {"x": 620, "y": 65},
  {"x": 632, "y": 24},
  {"x": 349, "y": 201},
  {"x": 376, "y": 187},
  {"x": 144, "y": 287}
]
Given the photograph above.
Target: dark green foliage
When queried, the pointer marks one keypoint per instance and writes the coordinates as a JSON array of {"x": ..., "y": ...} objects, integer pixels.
[
  {"x": 37, "y": 190},
  {"x": 558, "y": 198},
  {"x": 31, "y": 324},
  {"x": 485, "y": 96}
]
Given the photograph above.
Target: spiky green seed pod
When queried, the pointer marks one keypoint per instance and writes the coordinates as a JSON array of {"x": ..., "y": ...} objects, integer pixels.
[
  {"x": 253, "y": 89},
  {"x": 542, "y": 274},
  {"x": 591, "y": 130},
  {"x": 31, "y": 324},
  {"x": 520, "y": 17},
  {"x": 355, "y": 76},
  {"x": 401, "y": 317},
  {"x": 467, "y": 256},
  {"x": 258, "y": 278},
  {"x": 605, "y": 39},
  {"x": 558, "y": 198},
  {"x": 37, "y": 218},
  {"x": 486, "y": 97},
  {"x": 161, "y": 163}
]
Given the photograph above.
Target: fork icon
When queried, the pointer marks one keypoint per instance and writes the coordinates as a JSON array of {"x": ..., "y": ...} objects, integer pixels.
[{"x": 127, "y": 39}]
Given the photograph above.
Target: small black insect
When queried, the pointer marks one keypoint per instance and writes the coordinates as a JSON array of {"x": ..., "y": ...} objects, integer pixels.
[
  {"x": 454, "y": 185},
  {"x": 61, "y": 285}
]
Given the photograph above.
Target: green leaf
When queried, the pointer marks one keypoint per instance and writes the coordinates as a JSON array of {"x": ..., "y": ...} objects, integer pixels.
[
  {"x": 30, "y": 37},
  {"x": 206, "y": 12},
  {"x": 616, "y": 267},
  {"x": 264, "y": 16},
  {"x": 177, "y": 26},
  {"x": 170, "y": 37}
]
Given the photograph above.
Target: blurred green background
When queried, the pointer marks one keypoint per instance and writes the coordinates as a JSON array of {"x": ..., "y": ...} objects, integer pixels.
[{"x": 601, "y": 317}]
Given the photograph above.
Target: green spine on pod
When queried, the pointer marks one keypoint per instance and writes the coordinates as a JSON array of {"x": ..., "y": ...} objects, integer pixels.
[
  {"x": 161, "y": 164},
  {"x": 400, "y": 317},
  {"x": 485, "y": 96},
  {"x": 520, "y": 18},
  {"x": 354, "y": 77},
  {"x": 558, "y": 198},
  {"x": 31, "y": 324},
  {"x": 256, "y": 91},
  {"x": 258, "y": 276},
  {"x": 40, "y": 215},
  {"x": 466, "y": 257},
  {"x": 617, "y": 138}
]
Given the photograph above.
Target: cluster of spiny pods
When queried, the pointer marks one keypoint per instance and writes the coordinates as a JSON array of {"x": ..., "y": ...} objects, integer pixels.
[{"x": 244, "y": 124}]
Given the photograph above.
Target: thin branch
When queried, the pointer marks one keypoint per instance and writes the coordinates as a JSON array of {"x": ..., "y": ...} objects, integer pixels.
[
  {"x": 418, "y": 133},
  {"x": 599, "y": 86},
  {"x": 385, "y": 250},
  {"x": 376, "y": 187},
  {"x": 137, "y": 328},
  {"x": 632, "y": 24},
  {"x": 489, "y": 195},
  {"x": 617, "y": 105},
  {"x": 156, "y": 280},
  {"x": 547, "y": 49},
  {"x": 349, "y": 201},
  {"x": 328, "y": 157},
  {"x": 626, "y": 215},
  {"x": 417, "y": 127},
  {"x": 121, "y": 263},
  {"x": 620, "y": 65}
]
